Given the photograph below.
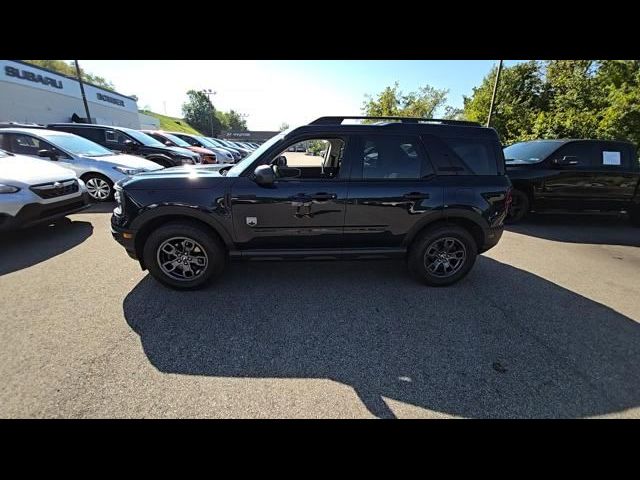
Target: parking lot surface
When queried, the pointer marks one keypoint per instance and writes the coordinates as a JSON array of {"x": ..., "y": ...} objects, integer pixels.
[{"x": 545, "y": 325}]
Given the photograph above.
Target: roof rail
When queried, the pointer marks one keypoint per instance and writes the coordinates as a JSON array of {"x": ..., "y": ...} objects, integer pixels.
[{"x": 339, "y": 120}]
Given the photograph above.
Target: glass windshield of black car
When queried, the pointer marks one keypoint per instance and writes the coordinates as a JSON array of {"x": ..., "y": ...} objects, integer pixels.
[
  {"x": 530, "y": 152},
  {"x": 143, "y": 138}
]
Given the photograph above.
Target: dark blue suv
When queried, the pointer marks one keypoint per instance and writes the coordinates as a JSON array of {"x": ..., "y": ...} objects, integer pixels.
[{"x": 432, "y": 191}]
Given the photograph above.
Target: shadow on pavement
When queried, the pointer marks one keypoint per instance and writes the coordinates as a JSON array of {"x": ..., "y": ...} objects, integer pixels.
[
  {"x": 102, "y": 207},
  {"x": 24, "y": 248},
  {"x": 501, "y": 343},
  {"x": 596, "y": 229}
]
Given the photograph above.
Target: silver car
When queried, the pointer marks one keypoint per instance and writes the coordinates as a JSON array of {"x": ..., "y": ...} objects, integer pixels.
[{"x": 98, "y": 167}]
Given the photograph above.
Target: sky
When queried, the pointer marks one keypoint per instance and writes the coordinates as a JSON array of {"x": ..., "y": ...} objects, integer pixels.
[{"x": 292, "y": 91}]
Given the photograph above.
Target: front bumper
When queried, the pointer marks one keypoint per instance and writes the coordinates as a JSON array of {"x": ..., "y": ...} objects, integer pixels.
[
  {"x": 35, "y": 213},
  {"x": 125, "y": 237}
]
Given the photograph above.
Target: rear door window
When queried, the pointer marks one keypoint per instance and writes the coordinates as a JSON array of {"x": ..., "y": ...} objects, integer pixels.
[
  {"x": 587, "y": 154},
  {"x": 392, "y": 157}
]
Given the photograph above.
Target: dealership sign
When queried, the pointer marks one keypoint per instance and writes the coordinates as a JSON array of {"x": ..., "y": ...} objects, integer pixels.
[
  {"x": 31, "y": 76},
  {"x": 107, "y": 98},
  {"x": 28, "y": 75}
]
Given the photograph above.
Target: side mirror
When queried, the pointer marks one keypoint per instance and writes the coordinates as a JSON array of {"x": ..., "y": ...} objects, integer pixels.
[
  {"x": 566, "y": 161},
  {"x": 130, "y": 145},
  {"x": 280, "y": 161},
  {"x": 48, "y": 153},
  {"x": 265, "y": 175}
]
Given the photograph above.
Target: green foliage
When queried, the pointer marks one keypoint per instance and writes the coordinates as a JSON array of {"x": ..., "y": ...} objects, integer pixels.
[
  {"x": 69, "y": 69},
  {"x": 200, "y": 113},
  {"x": 171, "y": 124},
  {"x": 392, "y": 102},
  {"x": 562, "y": 99},
  {"x": 232, "y": 121},
  {"x": 283, "y": 126},
  {"x": 317, "y": 147}
]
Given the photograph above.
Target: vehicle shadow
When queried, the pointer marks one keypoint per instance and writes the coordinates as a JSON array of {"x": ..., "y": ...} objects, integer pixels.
[
  {"x": 102, "y": 207},
  {"x": 502, "y": 343},
  {"x": 24, "y": 248},
  {"x": 596, "y": 229}
]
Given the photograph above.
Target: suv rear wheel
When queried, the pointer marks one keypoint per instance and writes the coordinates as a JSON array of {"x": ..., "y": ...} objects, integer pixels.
[
  {"x": 442, "y": 255},
  {"x": 183, "y": 255}
]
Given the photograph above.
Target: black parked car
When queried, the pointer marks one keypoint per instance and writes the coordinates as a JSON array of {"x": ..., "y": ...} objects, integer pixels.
[
  {"x": 573, "y": 175},
  {"x": 133, "y": 142},
  {"x": 432, "y": 191}
]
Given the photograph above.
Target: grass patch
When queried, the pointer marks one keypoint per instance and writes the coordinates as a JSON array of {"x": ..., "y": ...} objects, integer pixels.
[{"x": 172, "y": 124}]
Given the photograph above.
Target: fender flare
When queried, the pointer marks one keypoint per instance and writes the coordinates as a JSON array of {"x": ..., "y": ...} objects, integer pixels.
[{"x": 182, "y": 211}]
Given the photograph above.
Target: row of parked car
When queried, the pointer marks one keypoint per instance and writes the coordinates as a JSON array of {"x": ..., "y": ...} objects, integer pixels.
[
  {"x": 46, "y": 172},
  {"x": 70, "y": 161}
]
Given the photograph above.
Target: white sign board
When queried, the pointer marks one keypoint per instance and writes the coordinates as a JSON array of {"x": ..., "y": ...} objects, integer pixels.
[{"x": 611, "y": 158}]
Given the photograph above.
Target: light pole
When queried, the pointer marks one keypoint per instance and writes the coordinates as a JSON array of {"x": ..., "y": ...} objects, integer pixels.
[
  {"x": 208, "y": 92},
  {"x": 493, "y": 97},
  {"x": 84, "y": 98}
]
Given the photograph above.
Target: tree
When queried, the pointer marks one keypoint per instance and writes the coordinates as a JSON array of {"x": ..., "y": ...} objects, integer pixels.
[
  {"x": 520, "y": 100},
  {"x": 232, "y": 121},
  {"x": 69, "y": 69},
  {"x": 283, "y": 126},
  {"x": 562, "y": 99},
  {"x": 200, "y": 113},
  {"x": 392, "y": 102}
]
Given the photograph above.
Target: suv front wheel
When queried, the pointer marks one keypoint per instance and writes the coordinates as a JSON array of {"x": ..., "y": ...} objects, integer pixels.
[
  {"x": 442, "y": 255},
  {"x": 183, "y": 255}
]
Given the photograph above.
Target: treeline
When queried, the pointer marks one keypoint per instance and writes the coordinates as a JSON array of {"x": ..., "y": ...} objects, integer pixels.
[
  {"x": 199, "y": 112},
  {"x": 537, "y": 99}
]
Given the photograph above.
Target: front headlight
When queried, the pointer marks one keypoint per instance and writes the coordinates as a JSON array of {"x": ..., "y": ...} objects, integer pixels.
[
  {"x": 128, "y": 171},
  {"x": 8, "y": 188}
]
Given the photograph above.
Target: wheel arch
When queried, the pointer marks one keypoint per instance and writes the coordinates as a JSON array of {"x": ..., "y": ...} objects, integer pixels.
[
  {"x": 472, "y": 226},
  {"x": 147, "y": 223}
]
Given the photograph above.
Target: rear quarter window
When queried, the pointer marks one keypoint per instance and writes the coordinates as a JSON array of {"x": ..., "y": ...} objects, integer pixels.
[{"x": 478, "y": 155}]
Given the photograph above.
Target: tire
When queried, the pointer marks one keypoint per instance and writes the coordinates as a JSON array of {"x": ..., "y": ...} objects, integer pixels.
[
  {"x": 165, "y": 246},
  {"x": 444, "y": 239},
  {"x": 100, "y": 188},
  {"x": 519, "y": 208}
]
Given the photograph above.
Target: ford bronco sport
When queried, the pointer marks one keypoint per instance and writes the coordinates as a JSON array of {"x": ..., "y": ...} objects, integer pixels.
[{"x": 432, "y": 191}]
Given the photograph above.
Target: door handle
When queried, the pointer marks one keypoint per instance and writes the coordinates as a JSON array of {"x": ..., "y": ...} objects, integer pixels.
[{"x": 416, "y": 196}]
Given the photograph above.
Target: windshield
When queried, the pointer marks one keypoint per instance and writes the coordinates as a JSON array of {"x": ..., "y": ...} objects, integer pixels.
[
  {"x": 177, "y": 140},
  {"x": 143, "y": 138},
  {"x": 78, "y": 145},
  {"x": 205, "y": 141},
  {"x": 531, "y": 152},
  {"x": 240, "y": 167}
]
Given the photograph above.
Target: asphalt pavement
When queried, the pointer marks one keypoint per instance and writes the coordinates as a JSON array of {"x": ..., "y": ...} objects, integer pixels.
[{"x": 545, "y": 325}]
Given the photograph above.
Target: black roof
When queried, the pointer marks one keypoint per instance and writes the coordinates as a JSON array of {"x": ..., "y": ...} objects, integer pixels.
[
  {"x": 399, "y": 126},
  {"x": 90, "y": 125}
]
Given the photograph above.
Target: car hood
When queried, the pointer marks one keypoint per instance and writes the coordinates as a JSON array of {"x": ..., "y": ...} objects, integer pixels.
[
  {"x": 204, "y": 151},
  {"x": 181, "y": 151},
  {"x": 186, "y": 176},
  {"x": 31, "y": 171},
  {"x": 129, "y": 161}
]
